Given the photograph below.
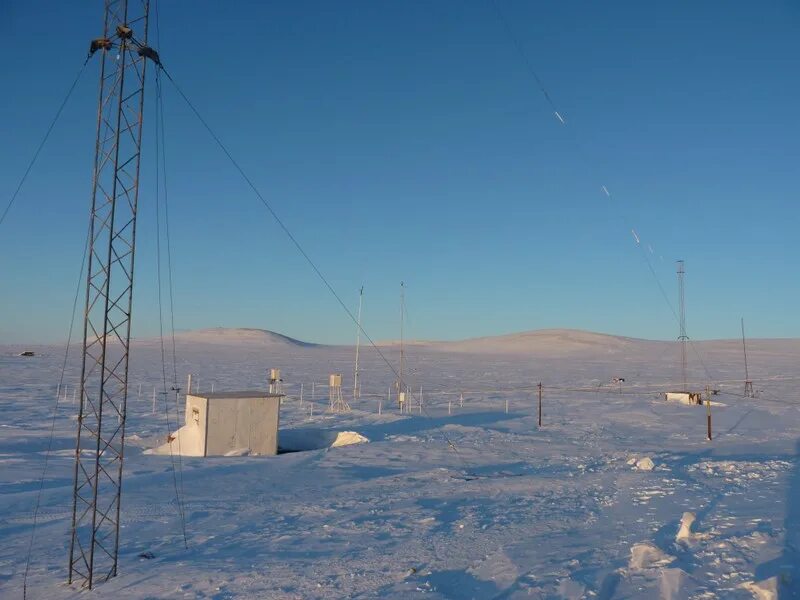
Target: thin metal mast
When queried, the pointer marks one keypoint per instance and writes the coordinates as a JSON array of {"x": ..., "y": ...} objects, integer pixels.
[
  {"x": 356, "y": 389},
  {"x": 748, "y": 384},
  {"x": 94, "y": 543},
  {"x": 682, "y": 337},
  {"x": 401, "y": 388}
]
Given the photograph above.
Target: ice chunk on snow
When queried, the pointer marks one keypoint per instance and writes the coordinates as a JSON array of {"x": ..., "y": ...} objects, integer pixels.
[
  {"x": 348, "y": 438},
  {"x": 685, "y": 531},
  {"x": 648, "y": 556},
  {"x": 645, "y": 464}
]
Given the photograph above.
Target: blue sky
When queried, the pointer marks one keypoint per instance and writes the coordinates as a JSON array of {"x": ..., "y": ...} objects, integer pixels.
[{"x": 408, "y": 141}]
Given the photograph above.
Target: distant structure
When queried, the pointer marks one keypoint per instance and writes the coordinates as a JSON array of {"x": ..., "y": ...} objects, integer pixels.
[
  {"x": 748, "y": 384},
  {"x": 400, "y": 384},
  {"x": 275, "y": 381},
  {"x": 682, "y": 337},
  {"x": 356, "y": 387},
  {"x": 27, "y": 353},
  {"x": 336, "y": 401}
]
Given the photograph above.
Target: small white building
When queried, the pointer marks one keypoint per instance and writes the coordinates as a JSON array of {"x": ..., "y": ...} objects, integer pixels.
[
  {"x": 227, "y": 424},
  {"x": 692, "y": 398}
]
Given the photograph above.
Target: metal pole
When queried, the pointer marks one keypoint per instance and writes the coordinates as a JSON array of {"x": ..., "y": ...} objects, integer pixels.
[
  {"x": 708, "y": 411},
  {"x": 402, "y": 351},
  {"x": 540, "y": 404},
  {"x": 356, "y": 391},
  {"x": 682, "y": 337}
]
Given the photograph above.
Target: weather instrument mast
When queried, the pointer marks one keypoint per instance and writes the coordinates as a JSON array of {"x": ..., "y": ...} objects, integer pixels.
[
  {"x": 682, "y": 337},
  {"x": 748, "y": 383},
  {"x": 356, "y": 388},
  {"x": 400, "y": 387},
  {"x": 99, "y": 450}
]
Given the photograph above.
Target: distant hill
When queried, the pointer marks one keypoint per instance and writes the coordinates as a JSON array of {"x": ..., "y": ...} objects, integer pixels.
[
  {"x": 236, "y": 337},
  {"x": 543, "y": 342}
]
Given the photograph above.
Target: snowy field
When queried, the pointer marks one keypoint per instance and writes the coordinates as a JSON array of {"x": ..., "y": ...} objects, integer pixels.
[{"x": 460, "y": 501}]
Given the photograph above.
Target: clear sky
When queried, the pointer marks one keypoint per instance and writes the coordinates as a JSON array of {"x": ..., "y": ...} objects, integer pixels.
[{"x": 408, "y": 141}]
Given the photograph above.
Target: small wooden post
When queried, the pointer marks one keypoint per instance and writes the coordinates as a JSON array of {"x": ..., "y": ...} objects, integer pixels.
[
  {"x": 708, "y": 411},
  {"x": 212, "y": 387},
  {"x": 301, "y": 394},
  {"x": 380, "y": 404},
  {"x": 506, "y": 405},
  {"x": 313, "y": 391},
  {"x": 139, "y": 395},
  {"x": 420, "y": 399},
  {"x": 449, "y": 402},
  {"x": 154, "y": 399},
  {"x": 540, "y": 404},
  {"x": 461, "y": 400}
]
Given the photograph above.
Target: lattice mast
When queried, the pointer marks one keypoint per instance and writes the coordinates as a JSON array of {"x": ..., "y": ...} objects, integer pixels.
[
  {"x": 682, "y": 337},
  {"x": 748, "y": 383},
  {"x": 356, "y": 373},
  {"x": 100, "y": 441}
]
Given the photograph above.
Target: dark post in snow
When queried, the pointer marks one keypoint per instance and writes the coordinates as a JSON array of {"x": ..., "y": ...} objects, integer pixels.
[
  {"x": 708, "y": 411},
  {"x": 540, "y": 404}
]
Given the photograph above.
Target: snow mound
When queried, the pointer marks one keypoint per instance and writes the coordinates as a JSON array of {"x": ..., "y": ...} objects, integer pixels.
[
  {"x": 186, "y": 442},
  {"x": 348, "y": 438},
  {"x": 642, "y": 464},
  {"x": 645, "y": 555}
]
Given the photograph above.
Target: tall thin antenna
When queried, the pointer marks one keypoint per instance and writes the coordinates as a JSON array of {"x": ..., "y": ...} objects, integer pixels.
[
  {"x": 748, "y": 385},
  {"x": 356, "y": 388},
  {"x": 401, "y": 387},
  {"x": 682, "y": 337}
]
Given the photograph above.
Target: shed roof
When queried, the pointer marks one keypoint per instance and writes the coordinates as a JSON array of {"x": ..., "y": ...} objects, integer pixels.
[{"x": 232, "y": 395}]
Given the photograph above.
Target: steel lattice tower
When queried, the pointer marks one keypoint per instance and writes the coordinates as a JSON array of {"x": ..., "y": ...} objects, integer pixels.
[
  {"x": 682, "y": 337},
  {"x": 109, "y": 286}
]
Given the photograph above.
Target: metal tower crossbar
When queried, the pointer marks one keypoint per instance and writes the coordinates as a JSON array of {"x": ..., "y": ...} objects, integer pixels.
[{"x": 99, "y": 447}]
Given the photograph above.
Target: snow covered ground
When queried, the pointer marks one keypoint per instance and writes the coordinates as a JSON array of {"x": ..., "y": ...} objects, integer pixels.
[{"x": 457, "y": 502}]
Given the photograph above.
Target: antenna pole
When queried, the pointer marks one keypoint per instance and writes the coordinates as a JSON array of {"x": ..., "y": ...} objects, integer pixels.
[
  {"x": 100, "y": 439},
  {"x": 356, "y": 389},
  {"x": 682, "y": 337},
  {"x": 402, "y": 350},
  {"x": 748, "y": 384}
]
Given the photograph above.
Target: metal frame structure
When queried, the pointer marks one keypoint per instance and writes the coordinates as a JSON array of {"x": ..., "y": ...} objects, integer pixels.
[
  {"x": 748, "y": 383},
  {"x": 357, "y": 371},
  {"x": 99, "y": 448},
  {"x": 682, "y": 337}
]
